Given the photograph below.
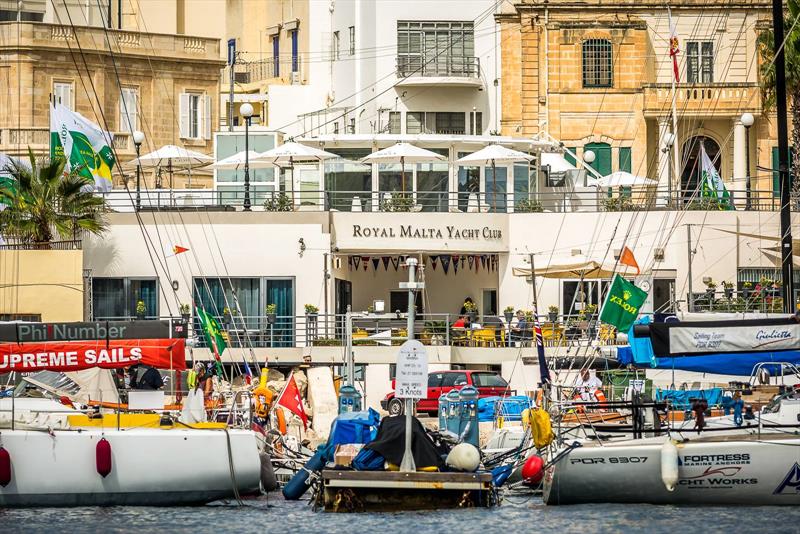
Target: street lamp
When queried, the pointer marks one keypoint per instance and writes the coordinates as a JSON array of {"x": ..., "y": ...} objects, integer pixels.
[
  {"x": 747, "y": 122},
  {"x": 138, "y": 139},
  {"x": 669, "y": 142},
  {"x": 247, "y": 111}
]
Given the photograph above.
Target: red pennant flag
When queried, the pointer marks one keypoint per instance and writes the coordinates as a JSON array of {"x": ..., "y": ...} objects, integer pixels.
[
  {"x": 290, "y": 399},
  {"x": 177, "y": 249},
  {"x": 626, "y": 258}
]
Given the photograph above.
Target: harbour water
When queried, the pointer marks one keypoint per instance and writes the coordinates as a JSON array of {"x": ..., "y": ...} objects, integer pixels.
[{"x": 517, "y": 514}]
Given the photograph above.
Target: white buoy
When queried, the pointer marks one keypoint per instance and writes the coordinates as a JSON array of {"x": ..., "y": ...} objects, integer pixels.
[
  {"x": 464, "y": 457},
  {"x": 669, "y": 465}
]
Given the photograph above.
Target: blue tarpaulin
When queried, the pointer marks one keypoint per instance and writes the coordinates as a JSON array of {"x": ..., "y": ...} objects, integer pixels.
[
  {"x": 354, "y": 427},
  {"x": 680, "y": 398},
  {"x": 510, "y": 408}
]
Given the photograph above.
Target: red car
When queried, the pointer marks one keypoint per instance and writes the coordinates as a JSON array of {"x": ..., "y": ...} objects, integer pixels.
[{"x": 488, "y": 384}]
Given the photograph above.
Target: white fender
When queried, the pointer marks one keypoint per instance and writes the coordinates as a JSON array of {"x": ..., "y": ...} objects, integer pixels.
[{"x": 669, "y": 465}]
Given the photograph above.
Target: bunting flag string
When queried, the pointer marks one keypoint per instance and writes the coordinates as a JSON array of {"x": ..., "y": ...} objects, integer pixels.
[
  {"x": 365, "y": 262},
  {"x": 395, "y": 262},
  {"x": 455, "y": 264},
  {"x": 434, "y": 261},
  {"x": 375, "y": 263},
  {"x": 471, "y": 262},
  {"x": 445, "y": 259},
  {"x": 385, "y": 260}
]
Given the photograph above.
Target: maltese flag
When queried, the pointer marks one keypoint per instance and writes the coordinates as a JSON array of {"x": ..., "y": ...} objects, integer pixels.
[{"x": 290, "y": 399}]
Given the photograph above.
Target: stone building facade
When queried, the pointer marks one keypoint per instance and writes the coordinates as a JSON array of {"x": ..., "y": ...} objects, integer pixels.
[
  {"x": 598, "y": 75},
  {"x": 165, "y": 85}
]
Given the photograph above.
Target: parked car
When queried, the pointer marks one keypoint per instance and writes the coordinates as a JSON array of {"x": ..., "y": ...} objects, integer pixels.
[{"x": 488, "y": 384}]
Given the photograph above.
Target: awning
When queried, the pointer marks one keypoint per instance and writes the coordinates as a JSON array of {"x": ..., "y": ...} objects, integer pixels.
[{"x": 574, "y": 267}]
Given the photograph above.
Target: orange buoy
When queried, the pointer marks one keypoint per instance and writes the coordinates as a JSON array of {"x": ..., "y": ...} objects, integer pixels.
[
  {"x": 533, "y": 470},
  {"x": 5, "y": 467},
  {"x": 103, "y": 457}
]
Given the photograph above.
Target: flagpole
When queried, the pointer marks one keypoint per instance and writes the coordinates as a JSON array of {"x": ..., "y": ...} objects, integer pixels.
[{"x": 676, "y": 154}]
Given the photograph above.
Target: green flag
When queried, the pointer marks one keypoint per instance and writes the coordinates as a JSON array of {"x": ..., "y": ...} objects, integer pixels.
[
  {"x": 83, "y": 144},
  {"x": 622, "y": 304},
  {"x": 711, "y": 182},
  {"x": 212, "y": 332}
]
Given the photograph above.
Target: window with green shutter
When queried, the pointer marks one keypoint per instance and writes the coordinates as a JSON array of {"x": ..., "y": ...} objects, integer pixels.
[
  {"x": 625, "y": 158},
  {"x": 776, "y": 176},
  {"x": 602, "y": 157}
]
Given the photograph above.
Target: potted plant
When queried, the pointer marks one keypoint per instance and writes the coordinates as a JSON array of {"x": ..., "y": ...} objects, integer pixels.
[
  {"x": 775, "y": 289},
  {"x": 185, "y": 312},
  {"x": 472, "y": 310},
  {"x": 727, "y": 288},
  {"x": 370, "y": 309},
  {"x": 311, "y": 312},
  {"x": 747, "y": 287},
  {"x": 227, "y": 317},
  {"x": 552, "y": 313},
  {"x": 711, "y": 289},
  {"x": 141, "y": 310},
  {"x": 270, "y": 311},
  {"x": 508, "y": 312}
]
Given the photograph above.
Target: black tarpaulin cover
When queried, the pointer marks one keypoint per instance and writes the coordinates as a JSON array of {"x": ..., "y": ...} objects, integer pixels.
[{"x": 390, "y": 442}]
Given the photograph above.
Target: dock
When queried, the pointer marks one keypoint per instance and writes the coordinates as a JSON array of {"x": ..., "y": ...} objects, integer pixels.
[{"x": 391, "y": 491}]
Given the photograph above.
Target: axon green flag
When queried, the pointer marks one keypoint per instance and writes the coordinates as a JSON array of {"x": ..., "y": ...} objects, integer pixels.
[
  {"x": 622, "y": 304},
  {"x": 83, "y": 144},
  {"x": 212, "y": 332},
  {"x": 711, "y": 185}
]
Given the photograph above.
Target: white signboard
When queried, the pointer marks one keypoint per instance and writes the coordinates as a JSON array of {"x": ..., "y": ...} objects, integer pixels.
[
  {"x": 411, "y": 378},
  {"x": 689, "y": 340}
]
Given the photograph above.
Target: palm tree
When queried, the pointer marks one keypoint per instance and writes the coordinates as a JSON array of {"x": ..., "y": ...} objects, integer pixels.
[
  {"x": 48, "y": 203},
  {"x": 766, "y": 46}
]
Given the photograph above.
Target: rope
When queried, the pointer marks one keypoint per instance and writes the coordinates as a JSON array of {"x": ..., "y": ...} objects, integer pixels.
[{"x": 233, "y": 471}]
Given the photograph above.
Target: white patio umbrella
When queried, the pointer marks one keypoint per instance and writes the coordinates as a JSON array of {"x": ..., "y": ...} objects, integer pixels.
[
  {"x": 403, "y": 153},
  {"x": 491, "y": 155},
  {"x": 287, "y": 154},
  {"x": 620, "y": 179},
  {"x": 237, "y": 161},
  {"x": 172, "y": 157},
  {"x": 556, "y": 162},
  {"x": 574, "y": 267}
]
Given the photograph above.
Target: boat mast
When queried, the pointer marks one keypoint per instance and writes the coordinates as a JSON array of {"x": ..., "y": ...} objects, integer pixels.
[{"x": 783, "y": 158}]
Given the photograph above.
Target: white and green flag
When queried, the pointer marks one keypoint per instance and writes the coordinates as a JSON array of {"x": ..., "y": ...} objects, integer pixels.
[
  {"x": 83, "y": 144},
  {"x": 711, "y": 185}
]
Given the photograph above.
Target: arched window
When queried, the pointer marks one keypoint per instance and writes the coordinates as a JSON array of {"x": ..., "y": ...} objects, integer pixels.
[
  {"x": 692, "y": 171},
  {"x": 597, "y": 63}
]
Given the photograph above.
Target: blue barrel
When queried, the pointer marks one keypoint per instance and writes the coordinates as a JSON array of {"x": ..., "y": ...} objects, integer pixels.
[
  {"x": 468, "y": 417},
  {"x": 298, "y": 485},
  {"x": 349, "y": 399}
]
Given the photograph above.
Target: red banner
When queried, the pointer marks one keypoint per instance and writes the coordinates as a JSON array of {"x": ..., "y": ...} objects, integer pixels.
[{"x": 78, "y": 355}]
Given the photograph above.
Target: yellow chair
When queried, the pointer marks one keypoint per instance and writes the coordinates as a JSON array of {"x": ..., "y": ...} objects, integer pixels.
[
  {"x": 484, "y": 337},
  {"x": 553, "y": 334},
  {"x": 608, "y": 334}
]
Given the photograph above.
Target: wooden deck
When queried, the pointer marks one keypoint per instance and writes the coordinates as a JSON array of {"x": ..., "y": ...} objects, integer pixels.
[{"x": 368, "y": 491}]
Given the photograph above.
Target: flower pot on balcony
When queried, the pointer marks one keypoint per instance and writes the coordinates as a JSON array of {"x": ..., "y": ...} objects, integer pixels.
[
  {"x": 746, "y": 293},
  {"x": 270, "y": 318},
  {"x": 312, "y": 317},
  {"x": 185, "y": 317},
  {"x": 472, "y": 316},
  {"x": 552, "y": 316},
  {"x": 509, "y": 317},
  {"x": 728, "y": 293}
]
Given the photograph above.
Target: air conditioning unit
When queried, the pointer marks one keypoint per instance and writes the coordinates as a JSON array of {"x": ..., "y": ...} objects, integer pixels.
[
  {"x": 576, "y": 252},
  {"x": 241, "y": 77},
  {"x": 296, "y": 78},
  {"x": 658, "y": 254}
]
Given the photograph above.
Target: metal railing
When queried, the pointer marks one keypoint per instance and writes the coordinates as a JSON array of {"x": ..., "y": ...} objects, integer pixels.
[
  {"x": 51, "y": 245},
  {"x": 438, "y": 66},
  {"x": 390, "y": 329},
  {"x": 557, "y": 201},
  {"x": 756, "y": 299}
]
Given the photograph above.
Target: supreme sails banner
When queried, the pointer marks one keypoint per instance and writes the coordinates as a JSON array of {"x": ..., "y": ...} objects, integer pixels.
[
  {"x": 79, "y": 355},
  {"x": 706, "y": 337},
  {"x": 83, "y": 144}
]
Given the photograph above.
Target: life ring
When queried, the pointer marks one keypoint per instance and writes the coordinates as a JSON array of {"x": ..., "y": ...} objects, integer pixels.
[
  {"x": 280, "y": 420},
  {"x": 262, "y": 398}
]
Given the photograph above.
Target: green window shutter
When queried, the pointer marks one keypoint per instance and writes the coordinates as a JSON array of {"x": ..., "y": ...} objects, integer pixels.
[
  {"x": 625, "y": 158},
  {"x": 602, "y": 160},
  {"x": 569, "y": 157}
]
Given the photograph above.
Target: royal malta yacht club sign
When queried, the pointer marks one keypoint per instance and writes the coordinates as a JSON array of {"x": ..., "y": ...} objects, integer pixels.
[
  {"x": 420, "y": 231},
  {"x": 27, "y": 347}
]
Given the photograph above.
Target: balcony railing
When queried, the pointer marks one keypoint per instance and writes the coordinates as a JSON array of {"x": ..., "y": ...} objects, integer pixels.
[
  {"x": 754, "y": 299},
  {"x": 413, "y": 65},
  {"x": 702, "y": 99},
  {"x": 17, "y": 140},
  {"x": 264, "y": 69},
  {"x": 557, "y": 201},
  {"x": 390, "y": 329},
  {"x": 52, "y": 245}
]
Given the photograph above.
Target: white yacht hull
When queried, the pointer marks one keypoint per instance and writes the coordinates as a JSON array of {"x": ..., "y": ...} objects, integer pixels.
[
  {"x": 148, "y": 467},
  {"x": 722, "y": 470}
]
